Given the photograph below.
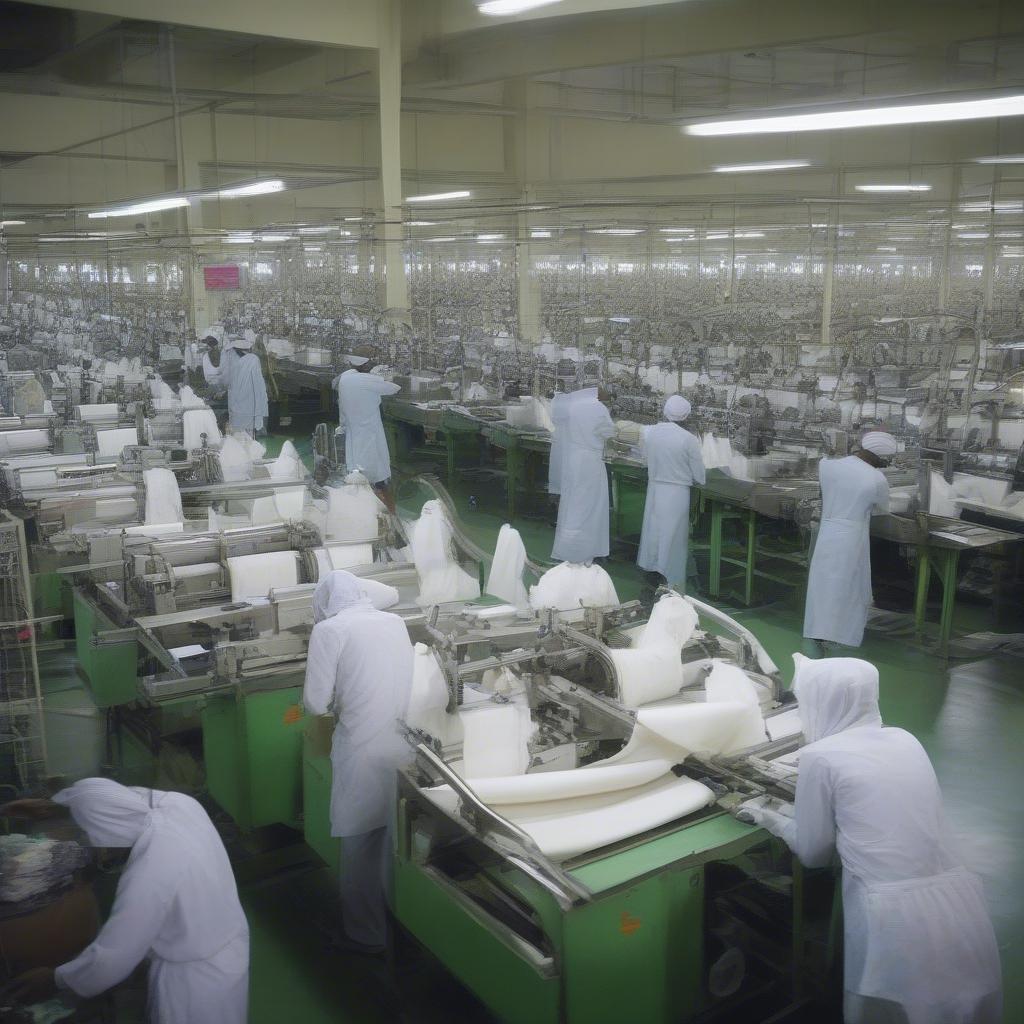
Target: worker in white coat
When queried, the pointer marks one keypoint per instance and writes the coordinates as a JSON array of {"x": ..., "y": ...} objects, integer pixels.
[
  {"x": 247, "y": 391},
  {"x": 359, "y": 670},
  {"x": 213, "y": 373},
  {"x": 558, "y": 405},
  {"x": 581, "y": 534},
  {"x": 839, "y": 584},
  {"x": 919, "y": 946},
  {"x": 674, "y": 463},
  {"x": 176, "y": 905},
  {"x": 366, "y": 446}
]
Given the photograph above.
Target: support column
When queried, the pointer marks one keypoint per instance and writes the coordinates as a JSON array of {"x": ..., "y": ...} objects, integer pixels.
[
  {"x": 528, "y": 297},
  {"x": 947, "y": 248},
  {"x": 396, "y": 288},
  {"x": 828, "y": 275}
]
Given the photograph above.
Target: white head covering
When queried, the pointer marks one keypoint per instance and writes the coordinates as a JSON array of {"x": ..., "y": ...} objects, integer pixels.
[
  {"x": 335, "y": 593},
  {"x": 215, "y": 331},
  {"x": 677, "y": 408},
  {"x": 881, "y": 444},
  {"x": 239, "y": 343},
  {"x": 250, "y": 336},
  {"x": 835, "y": 694},
  {"x": 107, "y": 812}
]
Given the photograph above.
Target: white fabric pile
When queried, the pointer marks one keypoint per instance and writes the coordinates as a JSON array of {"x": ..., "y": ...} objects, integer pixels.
[
  {"x": 569, "y": 587},
  {"x": 944, "y": 499},
  {"x": 254, "y": 576},
  {"x": 441, "y": 577},
  {"x": 163, "y": 498},
  {"x": 288, "y": 465},
  {"x": 197, "y": 422},
  {"x": 235, "y": 463},
  {"x": 32, "y": 865},
  {"x": 505, "y": 579},
  {"x": 353, "y": 510}
]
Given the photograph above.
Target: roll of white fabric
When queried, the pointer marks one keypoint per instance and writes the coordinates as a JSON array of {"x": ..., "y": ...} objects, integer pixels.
[
  {"x": 566, "y": 785},
  {"x": 163, "y": 498},
  {"x": 16, "y": 442},
  {"x": 105, "y": 413},
  {"x": 428, "y": 699},
  {"x": 255, "y": 576},
  {"x": 109, "y": 443}
]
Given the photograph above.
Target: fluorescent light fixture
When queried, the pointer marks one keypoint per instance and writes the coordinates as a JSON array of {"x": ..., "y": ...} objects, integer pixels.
[
  {"x": 676, "y": 231},
  {"x": 671, "y": 240},
  {"x": 887, "y": 248},
  {"x": 275, "y": 238},
  {"x": 422, "y": 223},
  {"x": 240, "y": 239},
  {"x": 314, "y": 248},
  {"x": 1009, "y": 234},
  {"x": 150, "y": 206},
  {"x": 715, "y": 236},
  {"x": 748, "y": 234},
  {"x": 257, "y": 188},
  {"x": 919, "y": 187},
  {"x": 489, "y": 238},
  {"x": 973, "y": 234},
  {"x": 52, "y": 238},
  {"x": 998, "y": 206},
  {"x": 770, "y": 165},
  {"x": 866, "y": 117},
  {"x": 435, "y": 197},
  {"x": 350, "y": 220},
  {"x": 446, "y": 238},
  {"x": 11, "y": 223},
  {"x": 540, "y": 234},
  {"x": 1017, "y": 158},
  {"x": 907, "y": 238},
  {"x": 616, "y": 231},
  {"x": 502, "y": 7},
  {"x": 315, "y": 231}
]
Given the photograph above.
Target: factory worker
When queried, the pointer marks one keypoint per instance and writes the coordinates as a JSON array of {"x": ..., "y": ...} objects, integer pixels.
[
  {"x": 176, "y": 905},
  {"x": 674, "y": 463},
  {"x": 558, "y": 404},
  {"x": 839, "y": 584},
  {"x": 213, "y": 366},
  {"x": 247, "y": 392},
  {"x": 366, "y": 446},
  {"x": 359, "y": 669},
  {"x": 581, "y": 534},
  {"x": 919, "y": 946}
]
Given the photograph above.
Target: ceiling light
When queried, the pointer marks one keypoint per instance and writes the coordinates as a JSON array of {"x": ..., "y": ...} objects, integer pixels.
[
  {"x": 446, "y": 238},
  {"x": 676, "y": 231},
  {"x": 52, "y": 238},
  {"x": 893, "y": 188},
  {"x": 540, "y": 234},
  {"x": 489, "y": 238},
  {"x": 973, "y": 234},
  {"x": 772, "y": 165},
  {"x": 671, "y": 240},
  {"x": 150, "y": 206},
  {"x": 616, "y": 231},
  {"x": 315, "y": 231},
  {"x": 422, "y": 223},
  {"x": 887, "y": 248},
  {"x": 866, "y": 117},
  {"x": 1009, "y": 234},
  {"x": 349, "y": 220},
  {"x": 275, "y": 238},
  {"x": 257, "y": 188},
  {"x": 716, "y": 235},
  {"x": 1015, "y": 159},
  {"x": 437, "y": 196},
  {"x": 314, "y": 248},
  {"x": 500, "y": 7},
  {"x": 996, "y": 206},
  {"x": 748, "y": 234},
  {"x": 11, "y": 223}
]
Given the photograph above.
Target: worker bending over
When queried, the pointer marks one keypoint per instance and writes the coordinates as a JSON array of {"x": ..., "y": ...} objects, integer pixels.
[
  {"x": 581, "y": 533},
  {"x": 674, "y": 463},
  {"x": 247, "y": 391},
  {"x": 919, "y": 947},
  {"x": 366, "y": 446},
  {"x": 176, "y": 905},
  {"x": 359, "y": 669},
  {"x": 839, "y": 584}
]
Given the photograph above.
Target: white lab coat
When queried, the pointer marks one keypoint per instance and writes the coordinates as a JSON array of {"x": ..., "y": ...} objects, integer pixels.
[
  {"x": 247, "y": 395},
  {"x": 839, "y": 582},
  {"x": 558, "y": 411},
  {"x": 366, "y": 447},
  {"x": 917, "y": 932},
  {"x": 674, "y": 462},
  {"x": 229, "y": 359},
  {"x": 176, "y": 905},
  {"x": 212, "y": 374},
  {"x": 359, "y": 667},
  {"x": 581, "y": 534}
]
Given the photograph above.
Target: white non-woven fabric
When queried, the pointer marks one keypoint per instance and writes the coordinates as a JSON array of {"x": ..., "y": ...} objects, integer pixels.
[
  {"x": 343, "y": 556},
  {"x": 428, "y": 699},
  {"x": 505, "y": 579},
  {"x": 441, "y": 577},
  {"x": 917, "y": 932},
  {"x": 287, "y": 465},
  {"x": 235, "y": 463},
  {"x": 154, "y": 529},
  {"x": 353, "y": 510},
  {"x": 839, "y": 581},
  {"x": 284, "y": 505},
  {"x": 730, "y": 684},
  {"x": 104, "y": 413},
  {"x": 15, "y": 442},
  {"x": 256, "y": 575},
  {"x": 109, "y": 443},
  {"x": 176, "y": 904},
  {"x": 567, "y": 587},
  {"x": 566, "y": 785},
  {"x": 195, "y": 423},
  {"x": 366, "y": 446},
  {"x": 495, "y": 738},
  {"x": 163, "y": 498}
]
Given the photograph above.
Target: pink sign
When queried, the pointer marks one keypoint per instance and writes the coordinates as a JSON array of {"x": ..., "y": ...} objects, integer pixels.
[{"x": 223, "y": 277}]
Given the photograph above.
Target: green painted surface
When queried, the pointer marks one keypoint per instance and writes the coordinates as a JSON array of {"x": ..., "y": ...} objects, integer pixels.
[
  {"x": 109, "y": 669},
  {"x": 252, "y": 749},
  {"x": 51, "y": 595}
]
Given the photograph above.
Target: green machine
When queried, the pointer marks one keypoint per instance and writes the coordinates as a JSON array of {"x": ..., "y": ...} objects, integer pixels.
[{"x": 692, "y": 916}]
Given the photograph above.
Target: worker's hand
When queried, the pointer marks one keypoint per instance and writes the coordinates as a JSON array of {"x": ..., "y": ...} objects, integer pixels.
[
  {"x": 766, "y": 812},
  {"x": 33, "y": 808},
  {"x": 33, "y": 986}
]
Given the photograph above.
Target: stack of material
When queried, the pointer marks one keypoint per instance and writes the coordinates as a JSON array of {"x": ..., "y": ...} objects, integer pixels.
[
  {"x": 441, "y": 577},
  {"x": 569, "y": 587},
  {"x": 32, "y": 867}
]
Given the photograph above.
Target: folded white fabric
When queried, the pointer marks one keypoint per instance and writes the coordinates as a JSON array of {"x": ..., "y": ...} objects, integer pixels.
[
  {"x": 256, "y": 575},
  {"x": 353, "y": 510},
  {"x": 441, "y": 578},
  {"x": 505, "y": 579},
  {"x": 569, "y": 586}
]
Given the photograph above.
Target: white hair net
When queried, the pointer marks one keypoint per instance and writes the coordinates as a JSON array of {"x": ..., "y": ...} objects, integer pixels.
[
  {"x": 835, "y": 694},
  {"x": 881, "y": 444},
  {"x": 335, "y": 593},
  {"x": 107, "y": 812},
  {"x": 677, "y": 408}
]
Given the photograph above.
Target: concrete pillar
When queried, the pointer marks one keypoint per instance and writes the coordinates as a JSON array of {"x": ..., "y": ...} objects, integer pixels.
[
  {"x": 396, "y": 288},
  {"x": 828, "y": 275},
  {"x": 528, "y": 293}
]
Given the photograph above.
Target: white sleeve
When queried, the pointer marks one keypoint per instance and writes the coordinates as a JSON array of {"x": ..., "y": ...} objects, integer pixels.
[
  {"x": 696, "y": 460},
  {"x": 881, "y": 497},
  {"x": 321, "y": 669},
  {"x": 811, "y": 835},
  {"x": 140, "y": 909},
  {"x": 605, "y": 427},
  {"x": 380, "y": 385}
]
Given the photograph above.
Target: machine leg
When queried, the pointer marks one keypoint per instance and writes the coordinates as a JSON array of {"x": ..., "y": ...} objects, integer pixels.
[
  {"x": 950, "y": 564},
  {"x": 715, "y": 549},
  {"x": 616, "y": 500},
  {"x": 748, "y": 584},
  {"x": 513, "y": 455},
  {"x": 924, "y": 576},
  {"x": 449, "y": 443}
]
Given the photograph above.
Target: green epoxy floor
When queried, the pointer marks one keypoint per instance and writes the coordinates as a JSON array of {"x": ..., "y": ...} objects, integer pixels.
[{"x": 969, "y": 716}]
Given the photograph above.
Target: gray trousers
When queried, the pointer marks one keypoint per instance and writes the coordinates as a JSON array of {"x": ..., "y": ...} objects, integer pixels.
[{"x": 362, "y": 880}]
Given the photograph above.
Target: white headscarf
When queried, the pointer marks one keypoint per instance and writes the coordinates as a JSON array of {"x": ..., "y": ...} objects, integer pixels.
[
  {"x": 239, "y": 343},
  {"x": 677, "y": 408},
  {"x": 881, "y": 444},
  {"x": 835, "y": 694},
  {"x": 107, "y": 812},
  {"x": 335, "y": 593}
]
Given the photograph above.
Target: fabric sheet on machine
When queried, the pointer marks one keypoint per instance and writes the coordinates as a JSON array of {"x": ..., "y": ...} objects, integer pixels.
[
  {"x": 568, "y": 587},
  {"x": 441, "y": 577},
  {"x": 256, "y": 575},
  {"x": 15, "y": 442},
  {"x": 109, "y": 443},
  {"x": 342, "y": 556},
  {"x": 103, "y": 413},
  {"x": 195, "y": 423},
  {"x": 353, "y": 510},
  {"x": 163, "y": 498},
  {"x": 505, "y": 579}
]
